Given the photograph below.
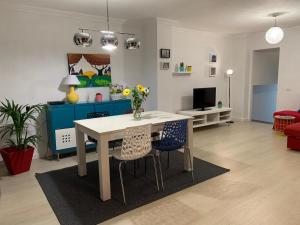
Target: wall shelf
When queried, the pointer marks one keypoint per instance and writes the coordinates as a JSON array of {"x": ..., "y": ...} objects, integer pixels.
[{"x": 182, "y": 73}]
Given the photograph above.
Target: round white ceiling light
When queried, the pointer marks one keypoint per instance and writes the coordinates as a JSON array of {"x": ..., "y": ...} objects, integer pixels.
[{"x": 275, "y": 34}]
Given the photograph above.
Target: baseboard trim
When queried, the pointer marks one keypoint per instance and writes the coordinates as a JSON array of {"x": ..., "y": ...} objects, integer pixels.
[{"x": 240, "y": 119}]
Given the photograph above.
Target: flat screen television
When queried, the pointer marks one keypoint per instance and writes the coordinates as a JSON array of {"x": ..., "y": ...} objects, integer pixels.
[{"x": 204, "y": 98}]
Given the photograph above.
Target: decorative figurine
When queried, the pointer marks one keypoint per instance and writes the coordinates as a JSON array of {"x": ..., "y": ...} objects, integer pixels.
[{"x": 98, "y": 97}]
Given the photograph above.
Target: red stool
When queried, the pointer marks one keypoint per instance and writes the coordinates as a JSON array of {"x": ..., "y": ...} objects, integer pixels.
[{"x": 281, "y": 122}]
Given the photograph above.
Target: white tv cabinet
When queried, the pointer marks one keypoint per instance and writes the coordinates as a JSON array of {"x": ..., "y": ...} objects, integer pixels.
[{"x": 208, "y": 117}]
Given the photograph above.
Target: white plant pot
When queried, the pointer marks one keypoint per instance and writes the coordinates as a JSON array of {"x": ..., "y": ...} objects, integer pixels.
[{"x": 114, "y": 97}]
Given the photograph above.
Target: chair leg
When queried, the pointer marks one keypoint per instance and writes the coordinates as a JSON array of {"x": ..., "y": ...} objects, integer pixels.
[
  {"x": 134, "y": 168},
  {"x": 138, "y": 163},
  {"x": 121, "y": 178},
  {"x": 48, "y": 154},
  {"x": 192, "y": 171},
  {"x": 160, "y": 170},
  {"x": 145, "y": 162},
  {"x": 168, "y": 165},
  {"x": 155, "y": 170}
]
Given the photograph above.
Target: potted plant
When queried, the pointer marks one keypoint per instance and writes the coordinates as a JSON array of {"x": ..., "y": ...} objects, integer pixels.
[
  {"x": 18, "y": 144},
  {"x": 116, "y": 91},
  {"x": 138, "y": 95}
]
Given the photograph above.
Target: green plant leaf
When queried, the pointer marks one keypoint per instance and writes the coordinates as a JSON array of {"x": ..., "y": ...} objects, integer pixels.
[{"x": 22, "y": 116}]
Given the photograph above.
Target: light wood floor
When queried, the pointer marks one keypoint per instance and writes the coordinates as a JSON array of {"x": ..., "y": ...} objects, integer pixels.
[{"x": 263, "y": 187}]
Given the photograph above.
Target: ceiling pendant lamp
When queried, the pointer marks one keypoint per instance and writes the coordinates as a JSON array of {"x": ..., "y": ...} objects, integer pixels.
[
  {"x": 132, "y": 43},
  {"x": 275, "y": 34},
  {"x": 109, "y": 40},
  {"x": 83, "y": 39}
]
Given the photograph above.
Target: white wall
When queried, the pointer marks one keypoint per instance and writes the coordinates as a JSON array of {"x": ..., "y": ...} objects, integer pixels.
[
  {"x": 34, "y": 43},
  {"x": 149, "y": 76},
  {"x": 288, "y": 73},
  {"x": 265, "y": 67},
  {"x": 141, "y": 69},
  {"x": 238, "y": 80},
  {"x": 165, "y": 87},
  {"x": 193, "y": 48},
  {"x": 33, "y": 52}
]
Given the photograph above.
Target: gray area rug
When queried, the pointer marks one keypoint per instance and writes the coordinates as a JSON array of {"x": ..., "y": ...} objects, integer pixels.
[{"x": 75, "y": 200}]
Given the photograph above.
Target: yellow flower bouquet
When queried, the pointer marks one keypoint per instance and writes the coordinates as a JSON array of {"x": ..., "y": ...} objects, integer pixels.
[{"x": 138, "y": 95}]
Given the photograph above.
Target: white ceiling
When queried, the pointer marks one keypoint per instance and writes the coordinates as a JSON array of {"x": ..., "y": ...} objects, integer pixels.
[{"x": 228, "y": 16}]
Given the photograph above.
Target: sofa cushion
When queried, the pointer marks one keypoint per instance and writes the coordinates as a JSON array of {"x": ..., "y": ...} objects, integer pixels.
[
  {"x": 289, "y": 113},
  {"x": 293, "y": 130}
]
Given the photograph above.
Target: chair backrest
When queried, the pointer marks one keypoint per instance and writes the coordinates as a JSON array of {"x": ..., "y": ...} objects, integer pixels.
[
  {"x": 136, "y": 142},
  {"x": 173, "y": 135},
  {"x": 93, "y": 115},
  {"x": 130, "y": 111}
]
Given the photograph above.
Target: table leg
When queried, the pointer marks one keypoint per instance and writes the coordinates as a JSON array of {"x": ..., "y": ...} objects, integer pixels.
[
  {"x": 81, "y": 158},
  {"x": 189, "y": 147},
  {"x": 104, "y": 169}
]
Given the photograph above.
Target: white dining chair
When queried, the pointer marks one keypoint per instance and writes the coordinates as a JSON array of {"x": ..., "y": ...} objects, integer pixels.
[{"x": 136, "y": 145}]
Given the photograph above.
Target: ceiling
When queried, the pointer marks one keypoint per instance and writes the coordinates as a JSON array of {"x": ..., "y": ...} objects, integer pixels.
[{"x": 225, "y": 16}]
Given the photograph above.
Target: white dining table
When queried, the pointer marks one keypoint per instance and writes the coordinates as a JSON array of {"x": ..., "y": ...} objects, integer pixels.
[{"x": 110, "y": 128}]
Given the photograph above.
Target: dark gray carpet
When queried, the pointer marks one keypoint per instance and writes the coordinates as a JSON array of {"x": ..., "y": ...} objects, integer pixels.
[{"x": 75, "y": 200}]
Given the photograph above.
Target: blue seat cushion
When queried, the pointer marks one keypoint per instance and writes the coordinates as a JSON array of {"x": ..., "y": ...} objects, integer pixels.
[{"x": 172, "y": 146}]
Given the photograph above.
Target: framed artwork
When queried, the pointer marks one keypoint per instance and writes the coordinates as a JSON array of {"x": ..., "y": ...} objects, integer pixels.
[
  {"x": 92, "y": 70},
  {"x": 212, "y": 58},
  {"x": 164, "y": 65},
  {"x": 165, "y": 53},
  {"x": 212, "y": 71}
]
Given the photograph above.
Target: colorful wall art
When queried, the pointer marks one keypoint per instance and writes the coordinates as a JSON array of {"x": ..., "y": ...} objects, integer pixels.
[{"x": 92, "y": 70}]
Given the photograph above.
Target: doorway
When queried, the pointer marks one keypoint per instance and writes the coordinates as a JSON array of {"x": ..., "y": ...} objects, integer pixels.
[{"x": 264, "y": 84}]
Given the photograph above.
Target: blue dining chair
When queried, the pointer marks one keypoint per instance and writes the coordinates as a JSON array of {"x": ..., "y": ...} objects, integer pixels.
[{"x": 174, "y": 137}]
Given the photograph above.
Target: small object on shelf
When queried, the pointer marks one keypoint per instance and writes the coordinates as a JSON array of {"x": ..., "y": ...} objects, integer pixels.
[
  {"x": 72, "y": 96},
  {"x": 115, "y": 97},
  {"x": 176, "y": 68},
  {"x": 220, "y": 104},
  {"x": 116, "y": 91},
  {"x": 181, "y": 68},
  {"x": 72, "y": 81},
  {"x": 98, "y": 97},
  {"x": 138, "y": 95}
]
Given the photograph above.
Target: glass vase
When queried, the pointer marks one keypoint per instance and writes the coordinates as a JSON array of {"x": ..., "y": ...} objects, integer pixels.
[{"x": 137, "y": 114}]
